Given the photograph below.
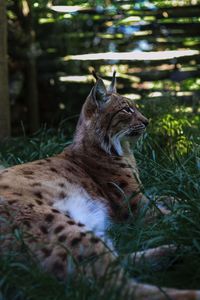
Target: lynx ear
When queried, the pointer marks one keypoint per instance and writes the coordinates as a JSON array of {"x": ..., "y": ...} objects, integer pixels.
[
  {"x": 112, "y": 88},
  {"x": 99, "y": 91}
]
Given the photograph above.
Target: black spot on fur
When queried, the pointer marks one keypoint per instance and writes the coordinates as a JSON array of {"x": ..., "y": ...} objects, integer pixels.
[
  {"x": 68, "y": 169},
  {"x": 67, "y": 215},
  {"x": 94, "y": 240},
  {"x": 122, "y": 165},
  {"x": 31, "y": 205},
  {"x": 39, "y": 202},
  {"x": 62, "y": 238},
  {"x": 47, "y": 159},
  {"x": 55, "y": 211},
  {"x": 54, "y": 170},
  {"x": 62, "y": 195},
  {"x": 4, "y": 186},
  {"x": 68, "y": 179},
  {"x": 128, "y": 175},
  {"x": 117, "y": 158},
  {"x": 85, "y": 185},
  {"x": 80, "y": 224},
  {"x": 63, "y": 256},
  {"x": 75, "y": 241},
  {"x": 17, "y": 194},
  {"x": 43, "y": 229},
  {"x": 46, "y": 251},
  {"x": 36, "y": 184},
  {"x": 13, "y": 201},
  {"x": 71, "y": 222},
  {"x": 59, "y": 228},
  {"x": 49, "y": 218},
  {"x": 27, "y": 172},
  {"x": 71, "y": 169},
  {"x": 40, "y": 163},
  {"x": 38, "y": 194},
  {"x": 75, "y": 162},
  {"x": 61, "y": 184},
  {"x": 82, "y": 234},
  {"x": 29, "y": 176}
]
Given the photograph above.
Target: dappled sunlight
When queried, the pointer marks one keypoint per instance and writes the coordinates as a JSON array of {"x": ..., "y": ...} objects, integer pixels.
[
  {"x": 83, "y": 78},
  {"x": 66, "y": 8},
  {"x": 135, "y": 55},
  {"x": 80, "y": 79},
  {"x": 155, "y": 94},
  {"x": 143, "y": 33},
  {"x": 185, "y": 109},
  {"x": 130, "y": 20},
  {"x": 186, "y": 93},
  {"x": 133, "y": 96}
]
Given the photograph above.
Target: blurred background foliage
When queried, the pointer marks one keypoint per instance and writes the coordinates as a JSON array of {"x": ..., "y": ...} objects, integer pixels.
[{"x": 153, "y": 45}]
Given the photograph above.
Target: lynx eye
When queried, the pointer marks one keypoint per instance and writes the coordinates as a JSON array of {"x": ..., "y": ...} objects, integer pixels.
[{"x": 128, "y": 110}]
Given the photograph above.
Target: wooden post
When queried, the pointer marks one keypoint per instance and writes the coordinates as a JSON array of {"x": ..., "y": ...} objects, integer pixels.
[{"x": 33, "y": 105}]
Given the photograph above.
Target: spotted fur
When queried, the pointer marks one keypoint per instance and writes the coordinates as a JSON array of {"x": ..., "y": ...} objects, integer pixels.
[{"x": 63, "y": 205}]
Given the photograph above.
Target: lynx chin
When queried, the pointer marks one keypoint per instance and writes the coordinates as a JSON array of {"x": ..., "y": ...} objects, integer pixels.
[{"x": 64, "y": 205}]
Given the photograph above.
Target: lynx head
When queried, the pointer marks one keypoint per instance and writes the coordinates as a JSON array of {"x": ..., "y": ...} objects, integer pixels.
[{"x": 107, "y": 118}]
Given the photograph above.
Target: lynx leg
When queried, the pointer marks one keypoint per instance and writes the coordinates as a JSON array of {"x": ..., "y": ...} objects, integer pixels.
[
  {"x": 150, "y": 292},
  {"x": 53, "y": 237},
  {"x": 158, "y": 257},
  {"x": 154, "y": 253}
]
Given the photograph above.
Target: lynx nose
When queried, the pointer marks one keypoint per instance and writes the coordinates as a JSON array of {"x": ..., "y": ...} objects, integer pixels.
[{"x": 145, "y": 122}]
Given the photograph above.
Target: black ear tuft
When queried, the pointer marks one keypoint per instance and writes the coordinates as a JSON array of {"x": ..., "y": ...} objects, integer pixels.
[
  {"x": 112, "y": 87},
  {"x": 96, "y": 76}
]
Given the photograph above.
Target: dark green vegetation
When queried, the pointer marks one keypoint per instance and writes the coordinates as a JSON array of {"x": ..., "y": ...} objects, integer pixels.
[{"x": 44, "y": 88}]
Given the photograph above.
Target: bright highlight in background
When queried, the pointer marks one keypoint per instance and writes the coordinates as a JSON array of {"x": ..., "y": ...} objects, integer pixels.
[
  {"x": 66, "y": 9},
  {"x": 135, "y": 55}
]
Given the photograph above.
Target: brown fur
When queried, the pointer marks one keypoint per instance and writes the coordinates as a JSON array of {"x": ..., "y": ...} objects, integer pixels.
[{"x": 94, "y": 163}]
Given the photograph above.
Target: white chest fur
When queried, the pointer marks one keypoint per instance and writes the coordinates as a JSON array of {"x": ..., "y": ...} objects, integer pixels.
[{"x": 82, "y": 208}]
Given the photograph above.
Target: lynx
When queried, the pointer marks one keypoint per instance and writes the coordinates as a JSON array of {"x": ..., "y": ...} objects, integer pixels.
[{"x": 64, "y": 204}]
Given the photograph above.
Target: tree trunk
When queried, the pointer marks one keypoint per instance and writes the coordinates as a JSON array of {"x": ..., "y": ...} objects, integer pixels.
[
  {"x": 33, "y": 105},
  {"x": 4, "y": 95}
]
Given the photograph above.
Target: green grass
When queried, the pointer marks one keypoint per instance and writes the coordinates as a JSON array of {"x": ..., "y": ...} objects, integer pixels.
[{"x": 165, "y": 171}]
